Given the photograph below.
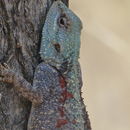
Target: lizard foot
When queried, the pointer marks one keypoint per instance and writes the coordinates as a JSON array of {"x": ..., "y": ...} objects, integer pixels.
[{"x": 6, "y": 74}]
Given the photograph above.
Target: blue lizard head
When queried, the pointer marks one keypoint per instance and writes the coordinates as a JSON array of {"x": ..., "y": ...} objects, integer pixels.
[{"x": 60, "y": 43}]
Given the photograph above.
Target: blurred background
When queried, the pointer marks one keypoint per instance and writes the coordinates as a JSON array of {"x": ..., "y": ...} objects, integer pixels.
[{"x": 105, "y": 61}]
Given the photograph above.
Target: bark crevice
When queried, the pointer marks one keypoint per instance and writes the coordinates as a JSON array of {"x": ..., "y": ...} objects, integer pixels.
[{"x": 21, "y": 23}]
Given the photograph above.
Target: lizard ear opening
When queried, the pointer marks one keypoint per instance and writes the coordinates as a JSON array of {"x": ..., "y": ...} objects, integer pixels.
[{"x": 57, "y": 47}]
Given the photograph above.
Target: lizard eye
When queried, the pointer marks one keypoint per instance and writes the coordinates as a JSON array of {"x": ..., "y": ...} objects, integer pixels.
[{"x": 63, "y": 21}]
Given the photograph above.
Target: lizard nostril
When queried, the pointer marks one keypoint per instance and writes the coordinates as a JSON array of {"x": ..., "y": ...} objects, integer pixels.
[{"x": 57, "y": 47}]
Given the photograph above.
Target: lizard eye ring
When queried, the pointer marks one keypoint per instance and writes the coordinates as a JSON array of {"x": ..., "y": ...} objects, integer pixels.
[{"x": 62, "y": 21}]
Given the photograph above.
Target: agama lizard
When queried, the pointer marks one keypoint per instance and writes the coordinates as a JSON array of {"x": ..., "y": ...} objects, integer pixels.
[{"x": 56, "y": 91}]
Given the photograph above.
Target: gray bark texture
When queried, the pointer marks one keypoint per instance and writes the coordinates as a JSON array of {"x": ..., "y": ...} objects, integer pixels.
[{"x": 21, "y": 23}]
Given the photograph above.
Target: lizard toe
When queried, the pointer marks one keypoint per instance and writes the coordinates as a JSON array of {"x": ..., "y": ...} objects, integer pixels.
[
  {"x": 6, "y": 79},
  {"x": 6, "y": 66}
]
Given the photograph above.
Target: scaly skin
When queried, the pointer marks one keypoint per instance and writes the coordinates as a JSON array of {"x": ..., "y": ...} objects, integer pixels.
[{"x": 56, "y": 91}]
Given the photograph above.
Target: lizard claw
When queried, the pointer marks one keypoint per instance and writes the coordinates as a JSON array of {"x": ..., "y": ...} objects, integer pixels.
[
  {"x": 3, "y": 68},
  {"x": 6, "y": 74},
  {"x": 1, "y": 79},
  {"x": 6, "y": 66}
]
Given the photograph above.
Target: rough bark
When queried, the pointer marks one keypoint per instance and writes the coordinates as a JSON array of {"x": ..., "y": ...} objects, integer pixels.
[{"x": 21, "y": 22}]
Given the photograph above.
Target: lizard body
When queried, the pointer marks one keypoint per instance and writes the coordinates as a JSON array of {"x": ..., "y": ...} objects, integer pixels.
[{"x": 55, "y": 94}]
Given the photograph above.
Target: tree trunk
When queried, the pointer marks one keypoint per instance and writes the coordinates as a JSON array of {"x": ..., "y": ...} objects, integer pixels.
[{"x": 21, "y": 23}]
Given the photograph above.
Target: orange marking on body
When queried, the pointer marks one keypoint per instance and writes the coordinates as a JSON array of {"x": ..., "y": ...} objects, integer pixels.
[
  {"x": 61, "y": 110},
  {"x": 62, "y": 100},
  {"x": 74, "y": 121},
  {"x": 61, "y": 122},
  {"x": 69, "y": 95},
  {"x": 65, "y": 95},
  {"x": 62, "y": 82}
]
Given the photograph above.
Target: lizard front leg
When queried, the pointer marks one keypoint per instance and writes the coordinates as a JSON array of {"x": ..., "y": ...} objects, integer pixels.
[{"x": 20, "y": 84}]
